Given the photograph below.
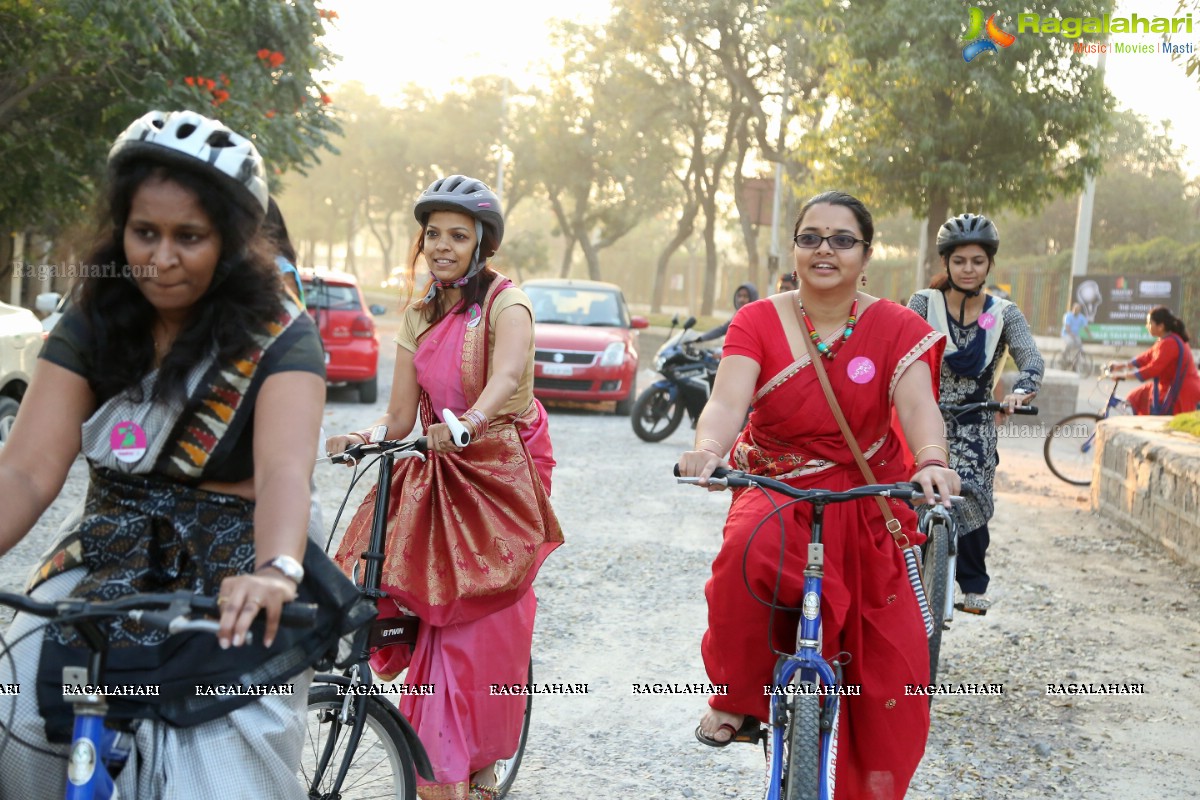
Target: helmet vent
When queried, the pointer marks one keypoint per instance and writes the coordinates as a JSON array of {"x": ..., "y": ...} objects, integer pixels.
[
  {"x": 219, "y": 139},
  {"x": 185, "y": 130}
]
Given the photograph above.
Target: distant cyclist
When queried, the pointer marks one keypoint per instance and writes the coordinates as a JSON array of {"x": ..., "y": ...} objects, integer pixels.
[
  {"x": 1073, "y": 324},
  {"x": 1174, "y": 385},
  {"x": 980, "y": 331}
]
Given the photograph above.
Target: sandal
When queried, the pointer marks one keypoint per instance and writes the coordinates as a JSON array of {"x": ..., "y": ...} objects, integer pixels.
[
  {"x": 477, "y": 792},
  {"x": 749, "y": 733},
  {"x": 974, "y": 604}
]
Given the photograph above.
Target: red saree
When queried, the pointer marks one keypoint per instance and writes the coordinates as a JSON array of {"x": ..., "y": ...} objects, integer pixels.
[
  {"x": 467, "y": 533},
  {"x": 868, "y": 607}
]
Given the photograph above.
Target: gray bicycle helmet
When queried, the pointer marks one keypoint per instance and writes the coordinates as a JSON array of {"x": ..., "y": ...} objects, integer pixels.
[
  {"x": 968, "y": 229},
  {"x": 192, "y": 141},
  {"x": 469, "y": 196}
]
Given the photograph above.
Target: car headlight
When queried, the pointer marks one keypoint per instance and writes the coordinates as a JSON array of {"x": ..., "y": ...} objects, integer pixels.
[{"x": 613, "y": 355}]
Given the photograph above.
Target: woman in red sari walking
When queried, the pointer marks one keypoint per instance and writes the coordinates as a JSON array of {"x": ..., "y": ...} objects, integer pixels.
[
  {"x": 1173, "y": 385},
  {"x": 869, "y": 608},
  {"x": 469, "y": 528}
]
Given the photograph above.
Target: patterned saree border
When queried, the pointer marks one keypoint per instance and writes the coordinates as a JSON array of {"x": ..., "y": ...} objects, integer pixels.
[{"x": 919, "y": 349}]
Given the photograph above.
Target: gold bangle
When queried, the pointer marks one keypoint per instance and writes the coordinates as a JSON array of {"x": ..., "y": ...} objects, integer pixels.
[
  {"x": 714, "y": 441},
  {"x": 917, "y": 455}
]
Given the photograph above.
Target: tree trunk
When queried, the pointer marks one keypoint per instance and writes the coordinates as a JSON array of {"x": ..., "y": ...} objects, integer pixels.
[
  {"x": 936, "y": 215},
  {"x": 710, "y": 256},
  {"x": 683, "y": 230}
]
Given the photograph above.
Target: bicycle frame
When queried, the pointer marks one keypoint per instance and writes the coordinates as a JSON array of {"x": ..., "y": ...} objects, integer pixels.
[
  {"x": 359, "y": 674},
  {"x": 813, "y": 668}
]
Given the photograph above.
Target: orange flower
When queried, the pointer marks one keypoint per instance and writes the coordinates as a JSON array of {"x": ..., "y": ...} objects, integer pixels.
[
  {"x": 264, "y": 53},
  {"x": 276, "y": 59},
  {"x": 271, "y": 114},
  {"x": 326, "y": 99},
  {"x": 189, "y": 80},
  {"x": 212, "y": 85},
  {"x": 224, "y": 79},
  {"x": 221, "y": 96}
]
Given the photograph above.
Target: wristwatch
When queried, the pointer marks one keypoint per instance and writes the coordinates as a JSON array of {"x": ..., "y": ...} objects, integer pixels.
[{"x": 288, "y": 566}]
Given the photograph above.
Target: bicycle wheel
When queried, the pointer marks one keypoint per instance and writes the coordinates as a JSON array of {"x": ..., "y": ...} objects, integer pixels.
[
  {"x": 1084, "y": 366},
  {"x": 506, "y": 769},
  {"x": 936, "y": 553},
  {"x": 1070, "y": 448},
  {"x": 380, "y": 767},
  {"x": 803, "y": 779}
]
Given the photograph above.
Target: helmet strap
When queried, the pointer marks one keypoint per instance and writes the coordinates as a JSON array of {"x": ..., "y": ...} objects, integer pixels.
[{"x": 966, "y": 293}]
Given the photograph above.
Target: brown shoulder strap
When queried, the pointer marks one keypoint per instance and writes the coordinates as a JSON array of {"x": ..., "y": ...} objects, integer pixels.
[{"x": 893, "y": 524}]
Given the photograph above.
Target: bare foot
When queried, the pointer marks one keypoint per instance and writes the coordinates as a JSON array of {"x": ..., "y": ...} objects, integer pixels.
[
  {"x": 711, "y": 725},
  {"x": 485, "y": 777}
]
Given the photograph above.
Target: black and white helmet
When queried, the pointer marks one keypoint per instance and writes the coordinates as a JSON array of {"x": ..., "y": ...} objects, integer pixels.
[
  {"x": 193, "y": 141},
  {"x": 968, "y": 229},
  {"x": 469, "y": 196}
]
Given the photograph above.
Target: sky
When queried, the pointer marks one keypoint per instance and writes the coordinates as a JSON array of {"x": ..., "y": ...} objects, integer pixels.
[{"x": 386, "y": 44}]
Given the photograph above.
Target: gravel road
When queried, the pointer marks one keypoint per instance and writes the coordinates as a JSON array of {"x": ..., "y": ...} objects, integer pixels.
[{"x": 621, "y": 604}]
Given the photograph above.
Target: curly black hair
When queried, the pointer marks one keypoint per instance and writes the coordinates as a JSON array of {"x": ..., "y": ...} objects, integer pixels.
[{"x": 244, "y": 296}]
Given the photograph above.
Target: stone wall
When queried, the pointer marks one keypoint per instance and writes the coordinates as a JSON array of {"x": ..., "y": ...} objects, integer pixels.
[{"x": 1148, "y": 479}]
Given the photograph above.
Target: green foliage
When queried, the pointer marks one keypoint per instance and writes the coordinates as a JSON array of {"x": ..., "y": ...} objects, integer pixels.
[
  {"x": 913, "y": 126},
  {"x": 1186, "y": 423},
  {"x": 75, "y": 73}
]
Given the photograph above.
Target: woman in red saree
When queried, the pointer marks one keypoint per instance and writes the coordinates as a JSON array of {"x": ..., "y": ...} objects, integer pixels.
[
  {"x": 869, "y": 609},
  {"x": 469, "y": 528},
  {"x": 1174, "y": 384}
]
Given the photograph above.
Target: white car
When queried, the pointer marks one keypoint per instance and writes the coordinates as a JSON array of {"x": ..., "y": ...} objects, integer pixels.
[{"x": 21, "y": 337}]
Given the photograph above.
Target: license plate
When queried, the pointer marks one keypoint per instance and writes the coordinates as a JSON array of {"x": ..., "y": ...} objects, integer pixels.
[{"x": 557, "y": 369}]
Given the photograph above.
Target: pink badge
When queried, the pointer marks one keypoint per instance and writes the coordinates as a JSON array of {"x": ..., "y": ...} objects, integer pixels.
[
  {"x": 474, "y": 316},
  {"x": 861, "y": 369},
  {"x": 986, "y": 321},
  {"x": 128, "y": 441}
]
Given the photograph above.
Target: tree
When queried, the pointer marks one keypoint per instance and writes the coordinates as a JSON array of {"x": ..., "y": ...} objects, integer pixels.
[
  {"x": 914, "y": 126},
  {"x": 603, "y": 172},
  {"x": 75, "y": 73}
]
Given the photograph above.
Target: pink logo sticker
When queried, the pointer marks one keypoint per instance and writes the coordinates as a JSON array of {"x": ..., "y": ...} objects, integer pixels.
[
  {"x": 986, "y": 321},
  {"x": 128, "y": 441},
  {"x": 474, "y": 316},
  {"x": 861, "y": 369}
]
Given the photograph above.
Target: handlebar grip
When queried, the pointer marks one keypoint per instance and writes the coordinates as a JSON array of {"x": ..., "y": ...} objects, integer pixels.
[
  {"x": 1026, "y": 410},
  {"x": 298, "y": 615},
  {"x": 719, "y": 472}
]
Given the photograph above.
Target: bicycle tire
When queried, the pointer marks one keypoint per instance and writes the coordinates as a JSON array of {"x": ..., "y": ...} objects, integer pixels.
[
  {"x": 506, "y": 769},
  {"x": 803, "y": 779},
  {"x": 652, "y": 407},
  {"x": 382, "y": 740},
  {"x": 936, "y": 553},
  {"x": 1070, "y": 449}
]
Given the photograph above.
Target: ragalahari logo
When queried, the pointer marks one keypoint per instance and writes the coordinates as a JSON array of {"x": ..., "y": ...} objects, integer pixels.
[{"x": 984, "y": 38}]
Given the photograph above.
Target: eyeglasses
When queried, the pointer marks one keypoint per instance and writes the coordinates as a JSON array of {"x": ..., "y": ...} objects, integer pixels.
[{"x": 839, "y": 241}]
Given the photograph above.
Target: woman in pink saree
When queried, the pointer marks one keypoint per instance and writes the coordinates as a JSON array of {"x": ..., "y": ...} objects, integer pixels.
[{"x": 468, "y": 528}]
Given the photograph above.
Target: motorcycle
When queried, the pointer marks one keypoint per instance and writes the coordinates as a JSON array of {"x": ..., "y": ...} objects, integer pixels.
[{"x": 687, "y": 378}]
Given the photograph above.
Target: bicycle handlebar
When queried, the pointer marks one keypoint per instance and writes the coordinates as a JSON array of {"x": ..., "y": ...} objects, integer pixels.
[
  {"x": 736, "y": 478},
  {"x": 986, "y": 405},
  {"x": 412, "y": 448},
  {"x": 165, "y": 611}
]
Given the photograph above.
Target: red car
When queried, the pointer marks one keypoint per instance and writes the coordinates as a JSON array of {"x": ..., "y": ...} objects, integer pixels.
[
  {"x": 347, "y": 331},
  {"x": 585, "y": 342}
]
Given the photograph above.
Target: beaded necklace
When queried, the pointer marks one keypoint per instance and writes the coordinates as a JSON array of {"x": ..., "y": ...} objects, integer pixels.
[{"x": 823, "y": 348}]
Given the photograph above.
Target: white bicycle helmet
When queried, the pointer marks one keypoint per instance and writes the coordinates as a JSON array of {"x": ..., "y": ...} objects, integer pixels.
[{"x": 193, "y": 141}]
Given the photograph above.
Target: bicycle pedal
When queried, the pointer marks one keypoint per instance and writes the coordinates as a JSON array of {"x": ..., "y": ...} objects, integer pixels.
[{"x": 979, "y": 612}]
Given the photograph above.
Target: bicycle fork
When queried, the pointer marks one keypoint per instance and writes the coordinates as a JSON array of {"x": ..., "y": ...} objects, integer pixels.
[{"x": 815, "y": 672}]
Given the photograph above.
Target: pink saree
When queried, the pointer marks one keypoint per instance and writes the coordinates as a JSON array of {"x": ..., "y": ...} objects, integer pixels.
[{"x": 467, "y": 533}]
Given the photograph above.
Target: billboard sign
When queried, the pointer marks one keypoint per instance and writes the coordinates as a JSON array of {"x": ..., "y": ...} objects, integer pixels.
[{"x": 1116, "y": 305}]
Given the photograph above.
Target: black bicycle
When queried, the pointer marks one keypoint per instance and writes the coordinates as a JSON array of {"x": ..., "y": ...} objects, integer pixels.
[{"x": 360, "y": 745}]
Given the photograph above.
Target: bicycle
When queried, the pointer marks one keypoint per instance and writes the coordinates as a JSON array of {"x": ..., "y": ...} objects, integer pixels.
[
  {"x": 806, "y": 688},
  {"x": 940, "y": 551},
  {"x": 342, "y": 706},
  {"x": 1075, "y": 360},
  {"x": 1069, "y": 445},
  {"x": 98, "y": 754}
]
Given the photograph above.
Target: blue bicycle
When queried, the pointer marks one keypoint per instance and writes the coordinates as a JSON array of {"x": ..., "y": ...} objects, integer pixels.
[
  {"x": 801, "y": 736},
  {"x": 98, "y": 754},
  {"x": 1070, "y": 446}
]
